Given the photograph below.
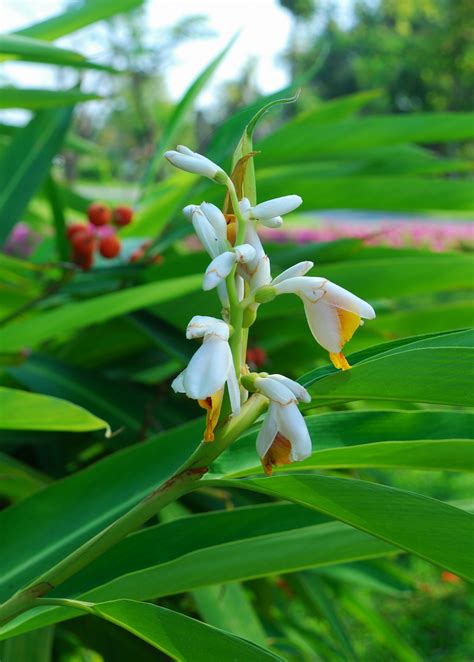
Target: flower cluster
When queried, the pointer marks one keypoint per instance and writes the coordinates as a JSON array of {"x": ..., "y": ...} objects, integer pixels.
[
  {"x": 99, "y": 234},
  {"x": 240, "y": 271}
]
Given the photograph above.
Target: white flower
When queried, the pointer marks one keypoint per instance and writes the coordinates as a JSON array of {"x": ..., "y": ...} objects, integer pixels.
[
  {"x": 209, "y": 370},
  {"x": 333, "y": 313},
  {"x": 270, "y": 213},
  {"x": 222, "y": 265},
  {"x": 283, "y": 437},
  {"x": 208, "y": 228},
  {"x": 190, "y": 161}
]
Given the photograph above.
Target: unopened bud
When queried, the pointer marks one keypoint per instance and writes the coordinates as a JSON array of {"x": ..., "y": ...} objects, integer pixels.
[{"x": 265, "y": 294}]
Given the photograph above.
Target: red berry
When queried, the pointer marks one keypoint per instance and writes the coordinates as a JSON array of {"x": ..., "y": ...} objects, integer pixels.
[
  {"x": 83, "y": 260},
  {"x": 123, "y": 216},
  {"x": 99, "y": 214},
  {"x": 109, "y": 247},
  {"x": 83, "y": 242},
  {"x": 73, "y": 228}
]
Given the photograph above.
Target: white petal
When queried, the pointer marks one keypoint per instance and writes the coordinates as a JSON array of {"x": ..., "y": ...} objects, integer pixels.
[
  {"x": 252, "y": 238},
  {"x": 216, "y": 218},
  {"x": 206, "y": 233},
  {"x": 222, "y": 294},
  {"x": 182, "y": 149},
  {"x": 299, "y": 391},
  {"x": 202, "y": 325},
  {"x": 245, "y": 206},
  {"x": 274, "y": 390},
  {"x": 178, "y": 383},
  {"x": 276, "y": 207},
  {"x": 323, "y": 321},
  {"x": 185, "y": 150},
  {"x": 261, "y": 275},
  {"x": 268, "y": 430},
  {"x": 233, "y": 388},
  {"x": 292, "y": 425},
  {"x": 275, "y": 222},
  {"x": 245, "y": 253},
  {"x": 345, "y": 300},
  {"x": 239, "y": 287},
  {"x": 189, "y": 210},
  {"x": 299, "y": 269},
  {"x": 208, "y": 369},
  {"x": 218, "y": 270},
  {"x": 193, "y": 164},
  {"x": 308, "y": 287}
]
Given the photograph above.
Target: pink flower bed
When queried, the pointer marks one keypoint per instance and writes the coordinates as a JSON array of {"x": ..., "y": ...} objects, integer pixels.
[{"x": 396, "y": 234}]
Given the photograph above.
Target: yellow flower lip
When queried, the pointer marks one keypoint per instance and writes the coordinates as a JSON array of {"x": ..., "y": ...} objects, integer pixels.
[
  {"x": 277, "y": 455},
  {"x": 213, "y": 406}
]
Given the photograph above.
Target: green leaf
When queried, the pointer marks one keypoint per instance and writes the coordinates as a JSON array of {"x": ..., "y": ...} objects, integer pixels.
[
  {"x": 385, "y": 193},
  {"x": 77, "y": 17},
  {"x": 440, "y": 368},
  {"x": 362, "y": 608},
  {"x": 227, "y": 606},
  {"x": 371, "y": 439},
  {"x": 20, "y": 410},
  {"x": 179, "y": 114},
  {"x": 37, "y": 99},
  {"x": 179, "y": 636},
  {"x": 316, "y": 595},
  {"x": 83, "y": 504},
  {"x": 35, "y": 50},
  {"x": 297, "y": 140},
  {"x": 75, "y": 316},
  {"x": 245, "y": 146},
  {"x": 37, "y": 646},
  {"x": 18, "y": 480},
  {"x": 25, "y": 162},
  {"x": 104, "y": 397},
  {"x": 198, "y": 551},
  {"x": 434, "y": 530}
]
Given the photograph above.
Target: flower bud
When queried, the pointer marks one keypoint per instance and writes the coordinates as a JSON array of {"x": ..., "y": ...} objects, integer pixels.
[
  {"x": 244, "y": 253},
  {"x": 276, "y": 207},
  {"x": 216, "y": 218},
  {"x": 274, "y": 223},
  {"x": 190, "y": 161},
  {"x": 265, "y": 294}
]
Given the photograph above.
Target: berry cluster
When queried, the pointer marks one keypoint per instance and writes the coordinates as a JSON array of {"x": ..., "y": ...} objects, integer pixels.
[{"x": 99, "y": 233}]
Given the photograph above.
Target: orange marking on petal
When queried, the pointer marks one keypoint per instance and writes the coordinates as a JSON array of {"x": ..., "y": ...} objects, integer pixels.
[
  {"x": 231, "y": 228},
  {"x": 212, "y": 405},
  {"x": 349, "y": 323},
  {"x": 339, "y": 361},
  {"x": 277, "y": 455}
]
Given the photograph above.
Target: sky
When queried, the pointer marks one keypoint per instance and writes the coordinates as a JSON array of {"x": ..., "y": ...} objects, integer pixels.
[{"x": 264, "y": 28}]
